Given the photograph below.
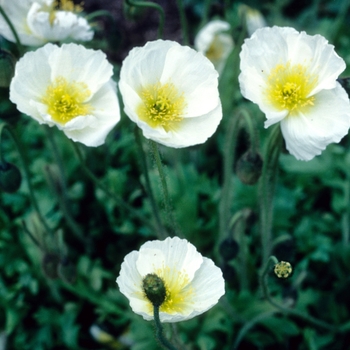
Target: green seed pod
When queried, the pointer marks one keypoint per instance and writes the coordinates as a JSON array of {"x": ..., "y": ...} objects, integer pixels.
[
  {"x": 249, "y": 167},
  {"x": 283, "y": 269},
  {"x": 154, "y": 289},
  {"x": 67, "y": 270},
  {"x": 7, "y": 67},
  {"x": 10, "y": 177}
]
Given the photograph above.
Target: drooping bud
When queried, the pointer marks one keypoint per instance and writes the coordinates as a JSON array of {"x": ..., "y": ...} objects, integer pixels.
[
  {"x": 283, "y": 269},
  {"x": 249, "y": 167},
  {"x": 154, "y": 289},
  {"x": 229, "y": 249},
  {"x": 10, "y": 177},
  {"x": 7, "y": 67}
]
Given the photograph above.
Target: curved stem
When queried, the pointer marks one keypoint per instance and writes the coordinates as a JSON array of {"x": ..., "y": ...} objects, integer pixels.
[
  {"x": 249, "y": 325},
  {"x": 283, "y": 309},
  {"x": 114, "y": 196},
  {"x": 183, "y": 22},
  {"x": 13, "y": 30},
  {"x": 267, "y": 186},
  {"x": 99, "y": 13},
  {"x": 166, "y": 197},
  {"x": 26, "y": 172},
  {"x": 160, "y": 230},
  {"x": 154, "y": 6},
  {"x": 159, "y": 330}
]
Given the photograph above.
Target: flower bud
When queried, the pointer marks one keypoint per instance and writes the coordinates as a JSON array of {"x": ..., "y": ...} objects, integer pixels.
[
  {"x": 249, "y": 167},
  {"x": 10, "y": 177},
  {"x": 283, "y": 269},
  {"x": 229, "y": 249},
  {"x": 154, "y": 289},
  {"x": 7, "y": 67}
]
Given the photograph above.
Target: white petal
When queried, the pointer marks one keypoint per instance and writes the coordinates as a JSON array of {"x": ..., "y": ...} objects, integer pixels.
[
  {"x": 328, "y": 121},
  {"x": 76, "y": 63},
  {"x": 32, "y": 77},
  {"x": 174, "y": 253}
]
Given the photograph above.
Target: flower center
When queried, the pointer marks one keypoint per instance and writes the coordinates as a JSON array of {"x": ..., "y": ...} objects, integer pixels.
[
  {"x": 288, "y": 87},
  {"x": 62, "y": 5},
  {"x": 66, "y": 100},
  {"x": 162, "y": 105},
  {"x": 179, "y": 292}
]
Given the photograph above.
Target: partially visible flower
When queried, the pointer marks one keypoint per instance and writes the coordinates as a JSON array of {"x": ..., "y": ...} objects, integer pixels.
[
  {"x": 40, "y": 21},
  {"x": 193, "y": 283},
  {"x": 215, "y": 43},
  {"x": 171, "y": 92},
  {"x": 70, "y": 87},
  {"x": 292, "y": 77},
  {"x": 254, "y": 19}
]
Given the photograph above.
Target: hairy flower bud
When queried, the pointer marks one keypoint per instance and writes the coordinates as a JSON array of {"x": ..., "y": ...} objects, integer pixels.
[
  {"x": 10, "y": 177},
  {"x": 249, "y": 167},
  {"x": 154, "y": 289}
]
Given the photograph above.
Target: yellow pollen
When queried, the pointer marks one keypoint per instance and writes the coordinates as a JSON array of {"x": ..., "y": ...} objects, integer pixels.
[
  {"x": 66, "y": 100},
  {"x": 179, "y": 291},
  {"x": 288, "y": 87},
  {"x": 162, "y": 105},
  {"x": 63, "y": 5}
]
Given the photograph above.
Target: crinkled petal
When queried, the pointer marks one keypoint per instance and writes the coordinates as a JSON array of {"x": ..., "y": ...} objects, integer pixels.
[{"x": 307, "y": 134}]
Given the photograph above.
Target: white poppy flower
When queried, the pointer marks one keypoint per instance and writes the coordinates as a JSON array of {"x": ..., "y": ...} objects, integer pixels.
[
  {"x": 292, "y": 77},
  {"x": 193, "y": 283},
  {"x": 70, "y": 87},
  {"x": 215, "y": 43},
  {"x": 40, "y": 21},
  {"x": 253, "y": 18},
  {"x": 171, "y": 92}
]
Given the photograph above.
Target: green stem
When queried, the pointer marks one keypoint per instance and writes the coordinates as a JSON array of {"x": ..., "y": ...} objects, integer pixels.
[
  {"x": 26, "y": 172},
  {"x": 62, "y": 191},
  {"x": 267, "y": 186},
  {"x": 13, "y": 30},
  {"x": 183, "y": 21},
  {"x": 99, "y": 13},
  {"x": 286, "y": 310},
  {"x": 226, "y": 191},
  {"x": 159, "y": 330},
  {"x": 114, "y": 196},
  {"x": 154, "y": 6},
  {"x": 166, "y": 197},
  {"x": 160, "y": 229},
  {"x": 250, "y": 325}
]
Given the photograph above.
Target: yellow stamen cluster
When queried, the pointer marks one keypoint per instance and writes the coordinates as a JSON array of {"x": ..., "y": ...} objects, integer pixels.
[
  {"x": 179, "y": 291},
  {"x": 63, "y": 5},
  {"x": 67, "y": 100},
  {"x": 288, "y": 87},
  {"x": 162, "y": 105}
]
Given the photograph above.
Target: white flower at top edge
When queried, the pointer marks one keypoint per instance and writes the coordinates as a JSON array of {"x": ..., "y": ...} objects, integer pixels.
[
  {"x": 40, "y": 21},
  {"x": 215, "y": 43},
  {"x": 70, "y": 87},
  {"x": 193, "y": 283},
  {"x": 171, "y": 92},
  {"x": 292, "y": 76}
]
